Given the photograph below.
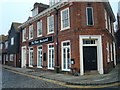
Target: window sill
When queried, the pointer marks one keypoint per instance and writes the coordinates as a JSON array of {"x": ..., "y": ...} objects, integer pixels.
[
  {"x": 50, "y": 68},
  {"x": 50, "y": 33},
  {"x": 67, "y": 70},
  {"x": 39, "y": 67},
  {"x": 39, "y": 35},
  {"x": 63, "y": 29}
]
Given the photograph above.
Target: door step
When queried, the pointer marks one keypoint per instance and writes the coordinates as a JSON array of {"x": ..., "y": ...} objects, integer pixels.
[{"x": 91, "y": 72}]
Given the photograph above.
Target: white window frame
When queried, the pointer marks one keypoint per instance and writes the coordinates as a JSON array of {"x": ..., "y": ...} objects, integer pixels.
[
  {"x": 39, "y": 27},
  {"x": 6, "y": 44},
  {"x": 111, "y": 50},
  {"x": 99, "y": 52},
  {"x": 114, "y": 50},
  {"x": 65, "y": 28},
  {"x": 109, "y": 21},
  {"x": 66, "y": 55},
  {"x": 31, "y": 51},
  {"x": 1, "y": 45},
  {"x": 108, "y": 52},
  {"x": 11, "y": 57},
  {"x": 51, "y": 68},
  {"x": 39, "y": 50},
  {"x": 12, "y": 41},
  {"x": 106, "y": 19},
  {"x": 49, "y": 23},
  {"x": 31, "y": 30},
  {"x": 24, "y": 35},
  {"x": 87, "y": 16}
]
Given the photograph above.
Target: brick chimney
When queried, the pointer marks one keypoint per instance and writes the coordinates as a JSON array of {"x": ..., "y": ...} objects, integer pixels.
[{"x": 38, "y": 8}]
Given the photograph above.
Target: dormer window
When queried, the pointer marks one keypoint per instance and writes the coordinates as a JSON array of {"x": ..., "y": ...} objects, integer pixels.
[
  {"x": 53, "y": 2},
  {"x": 35, "y": 11}
]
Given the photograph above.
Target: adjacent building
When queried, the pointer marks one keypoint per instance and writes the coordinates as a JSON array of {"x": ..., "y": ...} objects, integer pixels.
[
  {"x": 3, "y": 48},
  {"x": 75, "y": 37},
  {"x": 117, "y": 34},
  {"x": 13, "y": 50}
]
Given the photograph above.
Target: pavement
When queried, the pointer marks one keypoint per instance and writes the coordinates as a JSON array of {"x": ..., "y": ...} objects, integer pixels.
[{"x": 95, "y": 79}]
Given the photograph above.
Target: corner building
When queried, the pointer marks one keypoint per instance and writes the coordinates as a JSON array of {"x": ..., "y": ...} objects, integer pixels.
[{"x": 73, "y": 37}]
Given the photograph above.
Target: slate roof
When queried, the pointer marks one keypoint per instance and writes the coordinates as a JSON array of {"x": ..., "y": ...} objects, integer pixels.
[{"x": 15, "y": 25}]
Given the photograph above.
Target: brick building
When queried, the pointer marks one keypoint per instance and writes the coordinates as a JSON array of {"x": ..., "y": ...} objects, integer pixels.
[
  {"x": 3, "y": 48},
  {"x": 69, "y": 37}
]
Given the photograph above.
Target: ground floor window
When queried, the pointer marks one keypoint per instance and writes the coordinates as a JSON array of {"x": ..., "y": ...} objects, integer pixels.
[
  {"x": 6, "y": 57},
  {"x": 39, "y": 57},
  {"x": 108, "y": 52},
  {"x": 66, "y": 55},
  {"x": 11, "y": 57},
  {"x": 50, "y": 56},
  {"x": 31, "y": 57}
]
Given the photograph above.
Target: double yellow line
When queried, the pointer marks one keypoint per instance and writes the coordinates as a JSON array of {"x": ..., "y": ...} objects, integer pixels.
[{"x": 63, "y": 84}]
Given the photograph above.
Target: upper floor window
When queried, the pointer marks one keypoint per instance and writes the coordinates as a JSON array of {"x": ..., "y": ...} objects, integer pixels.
[
  {"x": 65, "y": 22},
  {"x": 89, "y": 12},
  {"x": 12, "y": 41},
  {"x": 31, "y": 32},
  {"x": 24, "y": 34},
  {"x": 39, "y": 28},
  {"x": 50, "y": 20},
  {"x": 1, "y": 46},
  {"x": 6, "y": 44},
  {"x": 109, "y": 20},
  {"x": 106, "y": 19}
]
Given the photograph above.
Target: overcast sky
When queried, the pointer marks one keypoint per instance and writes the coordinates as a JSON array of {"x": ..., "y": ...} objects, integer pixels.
[{"x": 20, "y": 10}]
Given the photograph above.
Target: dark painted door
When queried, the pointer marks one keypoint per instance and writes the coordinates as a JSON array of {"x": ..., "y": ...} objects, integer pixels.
[{"x": 90, "y": 58}]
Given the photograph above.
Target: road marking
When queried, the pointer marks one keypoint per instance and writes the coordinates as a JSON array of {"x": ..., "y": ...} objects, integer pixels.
[{"x": 63, "y": 84}]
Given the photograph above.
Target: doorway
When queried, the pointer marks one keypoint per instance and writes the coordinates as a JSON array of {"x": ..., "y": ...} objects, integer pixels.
[
  {"x": 91, "y": 55},
  {"x": 90, "y": 58},
  {"x": 23, "y": 57}
]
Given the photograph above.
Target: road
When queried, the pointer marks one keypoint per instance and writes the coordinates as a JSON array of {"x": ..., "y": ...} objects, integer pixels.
[
  {"x": 16, "y": 80},
  {"x": 13, "y": 80}
]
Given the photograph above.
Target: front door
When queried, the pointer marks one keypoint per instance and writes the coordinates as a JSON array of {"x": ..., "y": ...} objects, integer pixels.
[
  {"x": 90, "y": 58},
  {"x": 24, "y": 57}
]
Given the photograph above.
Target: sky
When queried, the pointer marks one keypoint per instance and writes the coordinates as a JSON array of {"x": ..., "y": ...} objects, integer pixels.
[{"x": 20, "y": 10}]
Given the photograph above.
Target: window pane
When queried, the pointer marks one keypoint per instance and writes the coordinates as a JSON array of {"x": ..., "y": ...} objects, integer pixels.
[{"x": 89, "y": 16}]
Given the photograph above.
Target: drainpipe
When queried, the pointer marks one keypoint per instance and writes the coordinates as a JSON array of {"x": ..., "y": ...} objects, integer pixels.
[{"x": 57, "y": 48}]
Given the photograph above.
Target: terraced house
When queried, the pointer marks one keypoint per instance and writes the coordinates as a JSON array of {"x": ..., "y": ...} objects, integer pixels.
[{"x": 73, "y": 37}]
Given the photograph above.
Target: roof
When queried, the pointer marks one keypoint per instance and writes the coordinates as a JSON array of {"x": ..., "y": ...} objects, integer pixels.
[
  {"x": 3, "y": 38},
  {"x": 15, "y": 25},
  {"x": 59, "y": 5}
]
